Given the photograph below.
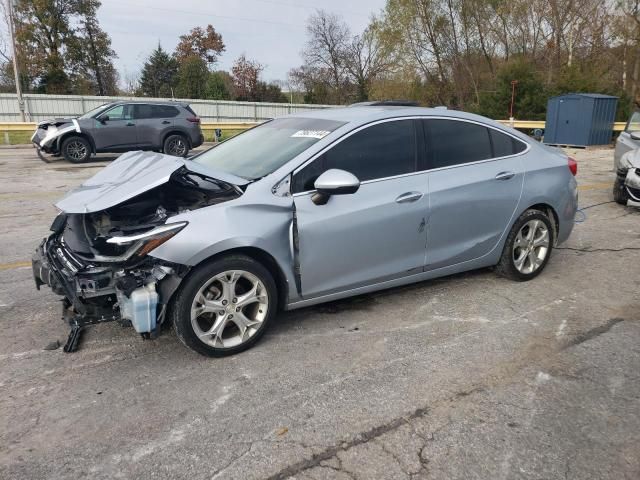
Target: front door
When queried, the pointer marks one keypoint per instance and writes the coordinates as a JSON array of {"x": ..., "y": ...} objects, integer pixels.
[
  {"x": 375, "y": 234},
  {"x": 118, "y": 132},
  {"x": 475, "y": 185}
]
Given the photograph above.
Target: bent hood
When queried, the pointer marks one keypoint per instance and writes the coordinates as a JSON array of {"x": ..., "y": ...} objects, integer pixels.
[{"x": 130, "y": 175}]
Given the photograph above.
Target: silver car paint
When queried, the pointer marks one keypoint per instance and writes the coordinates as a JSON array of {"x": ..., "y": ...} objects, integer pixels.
[
  {"x": 370, "y": 224},
  {"x": 129, "y": 175}
]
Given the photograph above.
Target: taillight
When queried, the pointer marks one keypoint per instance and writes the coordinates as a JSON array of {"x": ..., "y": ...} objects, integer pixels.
[
  {"x": 573, "y": 166},
  {"x": 193, "y": 119}
]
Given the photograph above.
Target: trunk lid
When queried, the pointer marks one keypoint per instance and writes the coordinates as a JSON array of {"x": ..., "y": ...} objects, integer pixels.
[{"x": 130, "y": 175}]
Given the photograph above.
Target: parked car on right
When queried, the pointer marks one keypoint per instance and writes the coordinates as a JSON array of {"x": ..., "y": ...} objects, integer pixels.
[{"x": 626, "y": 163}]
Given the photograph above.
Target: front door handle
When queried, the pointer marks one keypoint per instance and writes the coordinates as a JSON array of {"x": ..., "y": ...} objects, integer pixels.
[
  {"x": 130, "y": 124},
  {"x": 409, "y": 197},
  {"x": 166, "y": 122},
  {"x": 505, "y": 175}
]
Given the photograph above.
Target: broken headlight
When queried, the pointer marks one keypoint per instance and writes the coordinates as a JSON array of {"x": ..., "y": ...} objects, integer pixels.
[{"x": 147, "y": 241}]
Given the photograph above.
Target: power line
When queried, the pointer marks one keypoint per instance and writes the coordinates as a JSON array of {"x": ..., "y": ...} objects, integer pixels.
[{"x": 214, "y": 15}]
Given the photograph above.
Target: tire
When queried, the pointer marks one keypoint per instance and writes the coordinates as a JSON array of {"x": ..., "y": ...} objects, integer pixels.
[
  {"x": 76, "y": 149},
  {"x": 519, "y": 243},
  {"x": 176, "y": 145},
  {"x": 206, "y": 283},
  {"x": 620, "y": 194}
]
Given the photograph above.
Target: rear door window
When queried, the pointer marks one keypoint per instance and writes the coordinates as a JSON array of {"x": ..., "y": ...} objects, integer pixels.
[
  {"x": 155, "y": 111},
  {"x": 505, "y": 145},
  {"x": 383, "y": 150},
  {"x": 453, "y": 142}
]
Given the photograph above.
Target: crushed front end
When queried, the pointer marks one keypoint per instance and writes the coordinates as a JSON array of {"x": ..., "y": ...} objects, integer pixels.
[{"x": 99, "y": 261}]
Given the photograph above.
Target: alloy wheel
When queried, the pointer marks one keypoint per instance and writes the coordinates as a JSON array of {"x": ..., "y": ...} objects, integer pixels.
[
  {"x": 76, "y": 150},
  {"x": 229, "y": 309},
  {"x": 531, "y": 246},
  {"x": 177, "y": 147}
]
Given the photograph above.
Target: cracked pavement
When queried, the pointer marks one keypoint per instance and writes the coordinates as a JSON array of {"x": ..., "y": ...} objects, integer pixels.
[{"x": 470, "y": 376}]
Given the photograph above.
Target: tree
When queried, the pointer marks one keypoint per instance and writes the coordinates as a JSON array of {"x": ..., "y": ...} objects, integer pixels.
[
  {"x": 93, "y": 52},
  {"x": 204, "y": 44},
  {"x": 270, "y": 92},
  {"x": 220, "y": 86},
  {"x": 365, "y": 59},
  {"x": 192, "y": 78},
  {"x": 61, "y": 47},
  {"x": 159, "y": 74},
  {"x": 245, "y": 75},
  {"x": 42, "y": 31},
  {"x": 325, "y": 51}
]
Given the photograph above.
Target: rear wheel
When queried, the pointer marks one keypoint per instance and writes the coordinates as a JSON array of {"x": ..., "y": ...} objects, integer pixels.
[
  {"x": 225, "y": 306},
  {"x": 619, "y": 191},
  {"x": 528, "y": 247},
  {"x": 176, "y": 145},
  {"x": 76, "y": 149}
]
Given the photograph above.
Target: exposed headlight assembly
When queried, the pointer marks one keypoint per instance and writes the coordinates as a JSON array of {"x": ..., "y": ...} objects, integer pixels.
[{"x": 143, "y": 243}]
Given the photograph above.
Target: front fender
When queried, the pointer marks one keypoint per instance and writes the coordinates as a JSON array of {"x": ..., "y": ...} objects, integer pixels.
[{"x": 236, "y": 224}]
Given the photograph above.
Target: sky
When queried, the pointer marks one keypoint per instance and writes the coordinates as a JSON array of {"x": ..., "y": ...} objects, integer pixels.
[{"x": 269, "y": 31}]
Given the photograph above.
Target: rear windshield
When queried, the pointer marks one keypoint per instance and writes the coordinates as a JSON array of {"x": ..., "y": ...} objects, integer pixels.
[{"x": 265, "y": 148}]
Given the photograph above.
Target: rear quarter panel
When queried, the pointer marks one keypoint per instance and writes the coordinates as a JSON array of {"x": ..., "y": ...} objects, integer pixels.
[{"x": 548, "y": 180}]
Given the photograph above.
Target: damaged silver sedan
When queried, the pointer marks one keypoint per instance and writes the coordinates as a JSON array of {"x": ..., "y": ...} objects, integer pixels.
[
  {"x": 626, "y": 187},
  {"x": 301, "y": 210}
]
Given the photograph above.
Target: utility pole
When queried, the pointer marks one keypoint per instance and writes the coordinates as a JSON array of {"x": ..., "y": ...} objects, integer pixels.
[
  {"x": 513, "y": 99},
  {"x": 15, "y": 59}
]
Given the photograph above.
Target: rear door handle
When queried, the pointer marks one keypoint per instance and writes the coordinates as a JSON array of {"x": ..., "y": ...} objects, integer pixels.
[
  {"x": 409, "y": 197},
  {"x": 166, "y": 122},
  {"x": 131, "y": 124},
  {"x": 505, "y": 175}
]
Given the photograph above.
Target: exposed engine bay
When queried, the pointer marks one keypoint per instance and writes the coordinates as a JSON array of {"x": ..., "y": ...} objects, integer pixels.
[{"x": 99, "y": 260}]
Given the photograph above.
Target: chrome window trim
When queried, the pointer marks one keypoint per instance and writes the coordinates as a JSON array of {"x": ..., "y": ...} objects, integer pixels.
[{"x": 412, "y": 117}]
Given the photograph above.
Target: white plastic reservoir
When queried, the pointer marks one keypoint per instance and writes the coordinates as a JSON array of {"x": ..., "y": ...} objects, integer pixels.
[{"x": 141, "y": 308}]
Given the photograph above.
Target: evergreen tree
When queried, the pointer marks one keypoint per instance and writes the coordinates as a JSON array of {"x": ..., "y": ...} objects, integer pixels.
[
  {"x": 192, "y": 78},
  {"x": 159, "y": 74}
]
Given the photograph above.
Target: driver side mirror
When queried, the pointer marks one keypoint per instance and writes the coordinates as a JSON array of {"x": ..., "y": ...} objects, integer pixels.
[
  {"x": 103, "y": 118},
  {"x": 334, "y": 182},
  {"x": 634, "y": 135}
]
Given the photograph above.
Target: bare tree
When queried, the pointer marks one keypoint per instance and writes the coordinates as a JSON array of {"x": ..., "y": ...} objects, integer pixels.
[
  {"x": 365, "y": 59},
  {"x": 328, "y": 41}
]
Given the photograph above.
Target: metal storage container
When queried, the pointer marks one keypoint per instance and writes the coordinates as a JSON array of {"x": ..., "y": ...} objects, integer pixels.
[{"x": 580, "y": 119}]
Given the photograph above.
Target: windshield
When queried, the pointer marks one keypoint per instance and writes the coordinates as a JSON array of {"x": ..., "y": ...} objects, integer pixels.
[
  {"x": 265, "y": 148},
  {"x": 93, "y": 112}
]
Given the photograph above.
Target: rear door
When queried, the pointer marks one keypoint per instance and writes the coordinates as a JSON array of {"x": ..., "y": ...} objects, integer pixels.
[
  {"x": 475, "y": 183},
  {"x": 118, "y": 132},
  {"x": 153, "y": 121},
  {"x": 375, "y": 234}
]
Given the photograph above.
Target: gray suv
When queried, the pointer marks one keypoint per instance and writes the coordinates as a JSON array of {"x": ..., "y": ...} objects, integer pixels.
[{"x": 169, "y": 127}]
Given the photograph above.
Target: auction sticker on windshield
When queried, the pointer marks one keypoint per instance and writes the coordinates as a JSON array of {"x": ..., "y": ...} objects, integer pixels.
[{"x": 310, "y": 134}]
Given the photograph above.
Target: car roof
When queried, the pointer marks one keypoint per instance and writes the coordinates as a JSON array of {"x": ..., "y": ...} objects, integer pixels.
[
  {"x": 366, "y": 114},
  {"x": 151, "y": 102}
]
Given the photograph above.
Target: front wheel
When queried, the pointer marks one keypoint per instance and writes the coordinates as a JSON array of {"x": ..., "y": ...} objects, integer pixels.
[
  {"x": 225, "y": 306},
  {"x": 76, "y": 149},
  {"x": 176, "y": 145},
  {"x": 528, "y": 247}
]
